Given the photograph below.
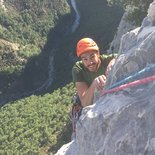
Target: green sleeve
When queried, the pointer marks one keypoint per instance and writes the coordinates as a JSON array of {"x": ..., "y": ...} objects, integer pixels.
[{"x": 77, "y": 74}]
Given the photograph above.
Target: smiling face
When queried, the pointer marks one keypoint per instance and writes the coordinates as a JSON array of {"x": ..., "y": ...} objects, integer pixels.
[{"x": 91, "y": 60}]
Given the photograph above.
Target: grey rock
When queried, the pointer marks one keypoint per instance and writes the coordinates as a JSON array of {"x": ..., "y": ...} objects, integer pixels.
[
  {"x": 123, "y": 28},
  {"x": 150, "y": 19},
  {"x": 137, "y": 50}
]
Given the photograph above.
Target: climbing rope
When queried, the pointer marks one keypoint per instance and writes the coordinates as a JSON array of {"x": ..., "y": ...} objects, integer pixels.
[
  {"x": 131, "y": 80},
  {"x": 134, "y": 76},
  {"x": 131, "y": 84}
]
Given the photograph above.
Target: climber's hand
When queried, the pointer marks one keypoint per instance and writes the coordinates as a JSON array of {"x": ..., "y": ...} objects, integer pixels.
[
  {"x": 109, "y": 67},
  {"x": 99, "y": 82}
]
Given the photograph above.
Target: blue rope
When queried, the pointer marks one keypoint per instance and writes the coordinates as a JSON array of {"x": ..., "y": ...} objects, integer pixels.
[{"x": 134, "y": 76}]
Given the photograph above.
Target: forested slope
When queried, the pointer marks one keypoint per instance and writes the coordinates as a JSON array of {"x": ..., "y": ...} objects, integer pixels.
[{"x": 37, "y": 124}]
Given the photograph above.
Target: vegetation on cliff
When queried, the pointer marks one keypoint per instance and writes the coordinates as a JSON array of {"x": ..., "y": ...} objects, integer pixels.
[
  {"x": 25, "y": 24},
  {"x": 137, "y": 9},
  {"x": 28, "y": 23}
]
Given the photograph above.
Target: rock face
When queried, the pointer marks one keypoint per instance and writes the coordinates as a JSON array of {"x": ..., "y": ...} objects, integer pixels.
[
  {"x": 123, "y": 27},
  {"x": 122, "y": 122}
]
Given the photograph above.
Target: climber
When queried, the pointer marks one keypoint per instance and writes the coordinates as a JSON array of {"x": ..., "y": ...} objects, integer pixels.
[{"x": 89, "y": 74}]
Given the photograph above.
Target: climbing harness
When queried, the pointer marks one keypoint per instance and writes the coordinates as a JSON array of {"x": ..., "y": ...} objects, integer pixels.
[{"x": 75, "y": 111}]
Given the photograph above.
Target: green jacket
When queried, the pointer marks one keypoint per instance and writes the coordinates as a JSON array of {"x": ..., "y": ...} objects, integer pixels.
[{"x": 82, "y": 74}]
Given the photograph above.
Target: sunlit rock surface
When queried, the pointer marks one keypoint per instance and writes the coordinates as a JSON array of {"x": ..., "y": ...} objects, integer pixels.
[{"x": 123, "y": 28}]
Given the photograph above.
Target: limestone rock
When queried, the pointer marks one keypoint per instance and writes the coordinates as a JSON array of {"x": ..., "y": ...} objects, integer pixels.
[
  {"x": 150, "y": 19},
  {"x": 151, "y": 12},
  {"x": 2, "y": 5},
  {"x": 123, "y": 28},
  {"x": 8, "y": 45},
  {"x": 136, "y": 52}
]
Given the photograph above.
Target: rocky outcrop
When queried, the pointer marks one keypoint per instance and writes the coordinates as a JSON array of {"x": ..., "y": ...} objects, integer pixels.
[
  {"x": 9, "y": 54},
  {"x": 122, "y": 122},
  {"x": 8, "y": 45},
  {"x": 123, "y": 28},
  {"x": 2, "y": 5}
]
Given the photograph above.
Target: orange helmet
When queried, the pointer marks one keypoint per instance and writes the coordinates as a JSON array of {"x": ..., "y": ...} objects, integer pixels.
[{"x": 86, "y": 44}]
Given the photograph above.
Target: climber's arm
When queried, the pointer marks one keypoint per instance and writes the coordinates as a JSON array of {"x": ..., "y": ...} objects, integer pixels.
[{"x": 85, "y": 93}]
